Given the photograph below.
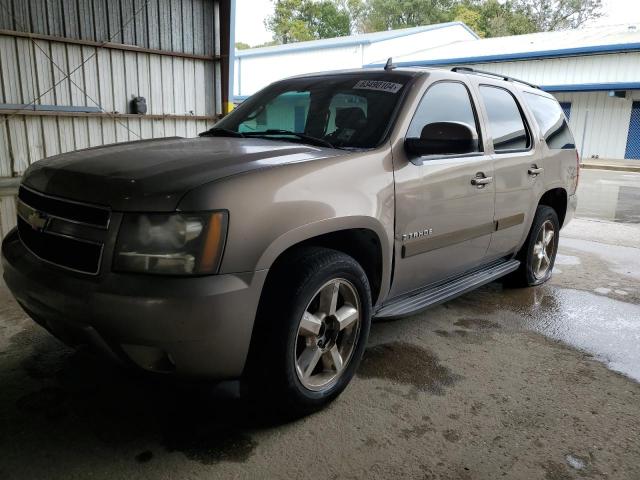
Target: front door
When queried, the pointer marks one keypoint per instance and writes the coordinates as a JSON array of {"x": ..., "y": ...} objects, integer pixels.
[{"x": 445, "y": 205}]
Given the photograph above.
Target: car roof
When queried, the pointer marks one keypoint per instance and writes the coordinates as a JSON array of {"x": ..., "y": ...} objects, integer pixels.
[{"x": 460, "y": 73}]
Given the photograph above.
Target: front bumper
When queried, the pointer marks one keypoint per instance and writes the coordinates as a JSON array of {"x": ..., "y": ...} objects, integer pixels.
[{"x": 189, "y": 326}]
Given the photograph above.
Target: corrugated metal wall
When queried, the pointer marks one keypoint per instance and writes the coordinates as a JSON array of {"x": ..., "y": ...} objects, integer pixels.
[
  {"x": 69, "y": 68},
  {"x": 571, "y": 70},
  {"x": 607, "y": 124}
]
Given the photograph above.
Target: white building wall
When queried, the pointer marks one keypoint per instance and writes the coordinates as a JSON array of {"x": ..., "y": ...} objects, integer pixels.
[
  {"x": 379, "y": 52},
  {"x": 256, "y": 70},
  {"x": 607, "y": 122},
  {"x": 571, "y": 70}
]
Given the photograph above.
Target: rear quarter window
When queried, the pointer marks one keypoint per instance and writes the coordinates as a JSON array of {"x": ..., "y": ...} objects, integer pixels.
[{"x": 551, "y": 120}]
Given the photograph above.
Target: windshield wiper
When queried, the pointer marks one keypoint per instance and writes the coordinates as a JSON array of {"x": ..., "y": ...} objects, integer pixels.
[
  {"x": 221, "y": 132},
  {"x": 301, "y": 136}
]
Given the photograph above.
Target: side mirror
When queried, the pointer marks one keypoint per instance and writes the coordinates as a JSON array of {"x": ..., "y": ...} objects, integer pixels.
[{"x": 442, "y": 138}]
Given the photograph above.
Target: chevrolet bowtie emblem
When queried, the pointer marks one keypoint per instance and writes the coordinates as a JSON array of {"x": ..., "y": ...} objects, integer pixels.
[{"x": 37, "y": 220}]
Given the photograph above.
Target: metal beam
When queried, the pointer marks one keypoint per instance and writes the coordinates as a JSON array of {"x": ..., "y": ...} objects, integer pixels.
[
  {"x": 108, "y": 45},
  {"x": 55, "y": 113}
]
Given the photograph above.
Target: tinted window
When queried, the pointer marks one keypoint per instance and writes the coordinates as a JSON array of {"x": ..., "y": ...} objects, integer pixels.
[
  {"x": 505, "y": 120},
  {"x": 340, "y": 102},
  {"x": 551, "y": 120},
  {"x": 287, "y": 111},
  {"x": 348, "y": 111},
  {"x": 444, "y": 102}
]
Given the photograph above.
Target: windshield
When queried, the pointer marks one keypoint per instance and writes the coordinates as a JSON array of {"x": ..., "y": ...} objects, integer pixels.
[{"x": 342, "y": 111}]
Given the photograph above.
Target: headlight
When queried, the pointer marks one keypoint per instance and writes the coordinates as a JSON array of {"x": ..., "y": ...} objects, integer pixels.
[{"x": 171, "y": 244}]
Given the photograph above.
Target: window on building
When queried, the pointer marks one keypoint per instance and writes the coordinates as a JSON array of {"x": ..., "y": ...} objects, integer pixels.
[
  {"x": 506, "y": 124},
  {"x": 444, "y": 102},
  {"x": 553, "y": 124}
]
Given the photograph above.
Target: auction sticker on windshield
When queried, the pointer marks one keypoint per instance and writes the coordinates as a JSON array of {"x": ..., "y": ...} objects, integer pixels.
[{"x": 379, "y": 85}]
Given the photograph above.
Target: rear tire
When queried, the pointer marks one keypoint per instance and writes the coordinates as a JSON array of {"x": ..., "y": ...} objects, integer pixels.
[
  {"x": 538, "y": 254},
  {"x": 311, "y": 331}
]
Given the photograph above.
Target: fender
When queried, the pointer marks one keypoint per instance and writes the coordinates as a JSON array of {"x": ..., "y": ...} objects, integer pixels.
[{"x": 330, "y": 225}]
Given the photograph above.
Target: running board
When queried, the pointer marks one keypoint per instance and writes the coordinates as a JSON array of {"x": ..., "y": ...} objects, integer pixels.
[{"x": 443, "y": 291}]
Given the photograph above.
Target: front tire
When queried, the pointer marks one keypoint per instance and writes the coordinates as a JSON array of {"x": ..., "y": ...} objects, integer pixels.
[
  {"x": 312, "y": 330},
  {"x": 538, "y": 254}
]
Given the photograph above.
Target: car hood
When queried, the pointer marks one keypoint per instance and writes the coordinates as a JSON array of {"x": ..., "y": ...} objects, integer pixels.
[{"x": 153, "y": 175}]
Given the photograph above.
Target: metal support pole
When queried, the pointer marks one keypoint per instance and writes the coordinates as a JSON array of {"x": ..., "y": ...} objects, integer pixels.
[{"x": 584, "y": 134}]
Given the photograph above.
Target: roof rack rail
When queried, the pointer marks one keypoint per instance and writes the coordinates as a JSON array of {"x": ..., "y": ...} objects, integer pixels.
[{"x": 492, "y": 74}]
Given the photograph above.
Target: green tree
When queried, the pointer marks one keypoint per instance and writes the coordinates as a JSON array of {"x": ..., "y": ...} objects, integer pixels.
[
  {"x": 242, "y": 46},
  {"x": 393, "y": 14},
  {"x": 490, "y": 18},
  {"x": 300, "y": 20},
  {"x": 549, "y": 15}
]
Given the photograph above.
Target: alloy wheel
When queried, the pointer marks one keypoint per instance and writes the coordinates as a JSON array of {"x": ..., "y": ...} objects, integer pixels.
[
  {"x": 543, "y": 250},
  {"x": 327, "y": 334}
]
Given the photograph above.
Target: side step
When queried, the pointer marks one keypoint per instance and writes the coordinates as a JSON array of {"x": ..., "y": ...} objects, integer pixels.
[{"x": 443, "y": 291}]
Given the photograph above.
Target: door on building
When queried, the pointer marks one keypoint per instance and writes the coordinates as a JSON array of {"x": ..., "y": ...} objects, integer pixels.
[{"x": 633, "y": 140}]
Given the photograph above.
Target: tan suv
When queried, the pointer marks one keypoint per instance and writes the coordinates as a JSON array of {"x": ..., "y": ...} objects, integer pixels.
[{"x": 263, "y": 249}]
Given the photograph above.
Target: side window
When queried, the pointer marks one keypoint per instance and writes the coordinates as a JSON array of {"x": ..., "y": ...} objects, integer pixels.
[
  {"x": 444, "y": 102},
  {"x": 505, "y": 120},
  {"x": 287, "y": 111},
  {"x": 553, "y": 124}
]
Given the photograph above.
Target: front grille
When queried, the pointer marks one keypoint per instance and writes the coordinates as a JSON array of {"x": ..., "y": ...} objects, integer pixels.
[
  {"x": 68, "y": 210},
  {"x": 41, "y": 221}
]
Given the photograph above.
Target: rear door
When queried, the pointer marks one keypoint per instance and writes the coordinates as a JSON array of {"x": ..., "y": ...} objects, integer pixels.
[
  {"x": 518, "y": 168},
  {"x": 444, "y": 203}
]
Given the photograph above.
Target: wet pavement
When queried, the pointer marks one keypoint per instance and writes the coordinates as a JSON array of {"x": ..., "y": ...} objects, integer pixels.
[
  {"x": 609, "y": 195},
  {"x": 537, "y": 383}
]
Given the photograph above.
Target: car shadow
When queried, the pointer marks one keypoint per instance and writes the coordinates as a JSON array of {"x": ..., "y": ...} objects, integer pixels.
[{"x": 56, "y": 399}]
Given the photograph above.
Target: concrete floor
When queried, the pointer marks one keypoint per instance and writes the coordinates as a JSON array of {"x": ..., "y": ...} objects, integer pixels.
[{"x": 514, "y": 383}]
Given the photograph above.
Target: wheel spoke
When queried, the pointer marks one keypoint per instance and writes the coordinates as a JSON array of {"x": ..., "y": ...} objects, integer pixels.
[
  {"x": 310, "y": 325},
  {"x": 308, "y": 360},
  {"x": 539, "y": 258},
  {"x": 329, "y": 298},
  {"x": 336, "y": 358},
  {"x": 548, "y": 237},
  {"x": 346, "y": 315}
]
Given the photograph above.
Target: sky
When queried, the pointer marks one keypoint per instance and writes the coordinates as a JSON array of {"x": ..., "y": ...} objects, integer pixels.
[{"x": 250, "y": 16}]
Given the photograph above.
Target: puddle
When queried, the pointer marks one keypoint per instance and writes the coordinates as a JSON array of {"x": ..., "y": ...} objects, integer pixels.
[
  {"x": 461, "y": 335},
  {"x": 407, "y": 364},
  {"x": 606, "y": 328}
]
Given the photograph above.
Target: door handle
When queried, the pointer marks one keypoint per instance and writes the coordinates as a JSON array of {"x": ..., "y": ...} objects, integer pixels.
[
  {"x": 480, "y": 180},
  {"x": 534, "y": 171}
]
